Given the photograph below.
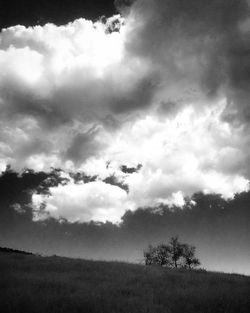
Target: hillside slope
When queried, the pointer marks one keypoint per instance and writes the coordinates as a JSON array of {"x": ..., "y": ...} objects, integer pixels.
[
  {"x": 53, "y": 284},
  {"x": 9, "y": 250}
]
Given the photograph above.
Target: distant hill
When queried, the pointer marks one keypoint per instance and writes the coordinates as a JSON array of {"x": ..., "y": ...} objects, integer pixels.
[
  {"x": 34, "y": 284},
  {"x": 8, "y": 250}
]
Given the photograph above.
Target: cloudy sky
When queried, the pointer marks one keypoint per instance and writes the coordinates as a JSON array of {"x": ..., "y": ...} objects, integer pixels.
[{"x": 160, "y": 87}]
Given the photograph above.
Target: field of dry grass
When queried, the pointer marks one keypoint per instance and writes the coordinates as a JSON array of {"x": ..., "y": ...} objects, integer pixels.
[{"x": 34, "y": 284}]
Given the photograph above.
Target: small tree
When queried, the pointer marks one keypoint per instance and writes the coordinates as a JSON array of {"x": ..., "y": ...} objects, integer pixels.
[{"x": 175, "y": 255}]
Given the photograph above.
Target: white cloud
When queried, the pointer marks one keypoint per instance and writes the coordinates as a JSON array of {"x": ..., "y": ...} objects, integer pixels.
[
  {"x": 77, "y": 71},
  {"x": 94, "y": 201},
  {"x": 180, "y": 155},
  {"x": 77, "y": 97},
  {"x": 65, "y": 81}
]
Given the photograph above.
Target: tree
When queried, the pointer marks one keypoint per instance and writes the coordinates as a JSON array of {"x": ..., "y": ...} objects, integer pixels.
[
  {"x": 149, "y": 255},
  {"x": 157, "y": 255},
  {"x": 176, "y": 254},
  {"x": 176, "y": 250},
  {"x": 188, "y": 254},
  {"x": 163, "y": 255}
]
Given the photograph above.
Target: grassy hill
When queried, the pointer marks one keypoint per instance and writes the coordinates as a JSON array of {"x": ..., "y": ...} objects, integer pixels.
[{"x": 30, "y": 283}]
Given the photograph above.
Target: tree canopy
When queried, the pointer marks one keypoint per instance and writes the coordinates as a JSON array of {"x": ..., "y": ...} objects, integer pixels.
[{"x": 175, "y": 255}]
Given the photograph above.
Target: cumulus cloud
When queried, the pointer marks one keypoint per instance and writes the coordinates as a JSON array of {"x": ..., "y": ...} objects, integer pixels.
[
  {"x": 76, "y": 71},
  {"x": 197, "y": 47},
  {"x": 185, "y": 154},
  {"x": 94, "y": 201},
  {"x": 193, "y": 151},
  {"x": 68, "y": 77},
  {"x": 165, "y": 86}
]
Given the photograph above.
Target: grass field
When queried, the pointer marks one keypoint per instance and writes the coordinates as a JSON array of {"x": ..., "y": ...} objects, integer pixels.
[{"x": 30, "y": 284}]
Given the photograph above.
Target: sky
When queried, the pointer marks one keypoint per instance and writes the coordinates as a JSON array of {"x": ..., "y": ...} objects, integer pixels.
[{"x": 149, "y": 97}]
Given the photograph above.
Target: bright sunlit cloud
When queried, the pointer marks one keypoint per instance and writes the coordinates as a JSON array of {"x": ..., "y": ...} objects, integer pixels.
[
  {"x": 82, "y": 96},
  {"x": 95, "y": 201}
]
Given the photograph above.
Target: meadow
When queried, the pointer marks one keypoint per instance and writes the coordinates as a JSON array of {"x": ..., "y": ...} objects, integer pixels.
[{"x": 36, "y": 284}]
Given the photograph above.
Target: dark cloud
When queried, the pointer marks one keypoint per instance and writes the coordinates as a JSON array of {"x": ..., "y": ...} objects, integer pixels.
[
  {"x": 84, "y": 146},
  {"x": 140, "y": 96},
  {"x": 113, "y": 180},
  {"x": 130, "y": 170},
  {"x": 123, "y": 5},
  {"x": 197, "y": 44}
]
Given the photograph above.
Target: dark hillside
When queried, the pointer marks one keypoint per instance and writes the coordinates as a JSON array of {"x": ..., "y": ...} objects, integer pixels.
[
  {"x": 53, "y": 284},
  {"x": 8, "y": 250}
]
